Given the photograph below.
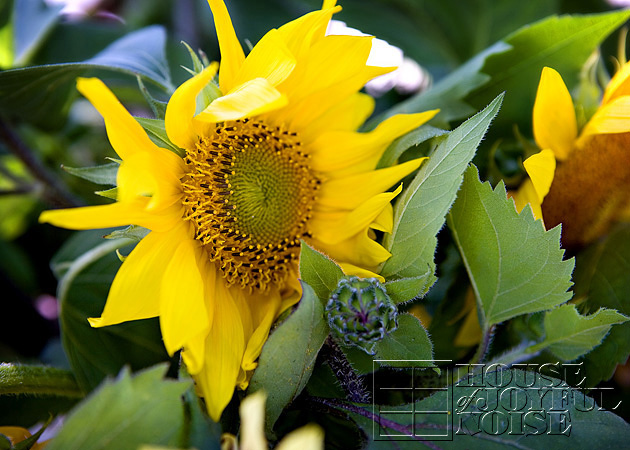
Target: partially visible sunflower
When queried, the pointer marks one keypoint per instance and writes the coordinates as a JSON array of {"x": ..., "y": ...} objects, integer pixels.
[
  {"x": 274, "y": 160},
  {"x": 581, "y": 180}
]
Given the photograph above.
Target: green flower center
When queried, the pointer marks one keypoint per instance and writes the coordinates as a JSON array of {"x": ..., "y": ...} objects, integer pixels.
[{"x": 249, "y": 190}]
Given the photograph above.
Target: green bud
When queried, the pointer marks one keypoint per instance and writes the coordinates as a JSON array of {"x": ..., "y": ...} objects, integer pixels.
[{"x": 360, "y": 313}]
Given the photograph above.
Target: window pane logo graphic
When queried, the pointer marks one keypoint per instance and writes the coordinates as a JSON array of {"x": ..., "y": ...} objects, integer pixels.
[{"x": 413, "y": 420}]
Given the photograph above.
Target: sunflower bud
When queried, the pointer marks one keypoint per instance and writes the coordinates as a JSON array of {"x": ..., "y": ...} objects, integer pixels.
[{"x": 360, "y": 312}]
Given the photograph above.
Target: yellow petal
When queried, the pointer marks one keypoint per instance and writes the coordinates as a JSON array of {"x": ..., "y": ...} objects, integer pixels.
[
  {"x": 112, "y": 215},
  {"x": 350, "y": 269},
  {"x": 347, "y": 54},
  {"x": 613, "y": 117},
  {"x": 232, "y": 56},
  {"x": 134, "y": 293},
  {"x": 125, "y": 134},
  {"x": 252, "y": 413},
  {"x": 183, "y": 314},
  {"x": 225, "y": 346},
  {"x": 182, "y": 107},
  {"x": 269, "y": 59},
  {"x": 300, "y": 34},
  {"x": 347, "y": 115},
  {"x": 385, "y": 220},
  {"x": 264, "y": 311},
  {"x": 350, "y": 192},
  {"x": 526, "y": 195},
  {"x": 352, "y": 223},
  {"x": 299, "y": 114},
  {"x": 356, "y": 152},
  {"x": 156, "y": 175},
  {"x": 619, "y": 85},
  {"x": 541, "y": 168},
  {"x": 308, "y": 437},
  {"x": 555, "y": 126},
  {"x": 254, "y": 97},
  {"x": 360, "y": 251}
]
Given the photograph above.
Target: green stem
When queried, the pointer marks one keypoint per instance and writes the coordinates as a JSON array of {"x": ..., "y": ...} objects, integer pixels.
[
  {"x": 37, "y": 380},
  {"x": 484, "y": 346}
]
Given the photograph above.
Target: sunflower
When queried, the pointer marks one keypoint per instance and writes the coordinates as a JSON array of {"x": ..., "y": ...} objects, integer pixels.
[
  {"x": 581, "y": 180},
  {"x": 276, "y": 159}
]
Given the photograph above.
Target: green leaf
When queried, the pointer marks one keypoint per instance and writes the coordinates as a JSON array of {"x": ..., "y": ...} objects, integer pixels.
[
  {"x": 133, "y": 232},
  {"x": 104, "y": 174},
  {"x": 319, "y": 272},
  {"x": 420, "y": 211},
  {"x": 404, "y": 143},
  {"x": 34, "y": 19},
  {"x": 156, "y": 130},
  {"x": 87, "y": 264},
  {"x": 288, "y": 356},
  {"x": 410, "y": 341},
  {"x": 563, "y": 43},
  {"x": 404, "y": 289},
  {"x": 514, "y": 265},
  {"x": 601, "y": 278},
  {"x": 144, "y": 409},
  {"x": 42, "y": 94},
  {"x": 531, "y": 411},
  {"x": 568, "y": 335}
]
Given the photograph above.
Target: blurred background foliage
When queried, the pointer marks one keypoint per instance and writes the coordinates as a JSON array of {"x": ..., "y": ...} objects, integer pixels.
[{"x": 44, "y": 125}]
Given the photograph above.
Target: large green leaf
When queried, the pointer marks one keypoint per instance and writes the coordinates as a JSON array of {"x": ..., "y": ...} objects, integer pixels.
[
  {"x": 410, "y": 341},
  {"x": 420, "y": 211},
  {"x": 33, "y": 20},
  {"x": 514, "y": 265},
  {"x": 319, "y": 272},
  {"x": 42, "y": 94},
  {"x": 87, "y": 265},
  {"x": 568, "y": 335},
  {"x": 528, "y": 413},
  {"x": 288, "y": 356},
  {"x": 144, "y": 409},
  {"x": 563, "y": 43},
  {"x": 601, "y": 278}
]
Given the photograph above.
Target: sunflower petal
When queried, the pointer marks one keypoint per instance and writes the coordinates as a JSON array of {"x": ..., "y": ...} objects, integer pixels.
[
  {"x": 183, "y": 314},
  {"x": 254, "y": 97},
  {"x": 308, "y": 437},
  {"x": 619, "y": 85},
  {"x": 350, "y": 269},
  {"x": 354, "y": 222},
  {"x": 125, "y": 134},
  {"x": 347, "y": 115},
  {"x": 112, "y": 215},
  {"x": 134, "y": 293},
  {"x": 225, "y": 346},
  {"x": 613, "y": 117},
  {"x": 269, "y": 59},
  {"x": 232, "y": 56},
  {"x": 526, "y": 195},
  {"x": 336, "y": 151},
  {"x": 182, "y": 107},
  {"x": 252, "y": 413},
  {"x": 349, "y": 192},
  {"x": 555, "y": 125},
  {"x": 541, "y": 168}
]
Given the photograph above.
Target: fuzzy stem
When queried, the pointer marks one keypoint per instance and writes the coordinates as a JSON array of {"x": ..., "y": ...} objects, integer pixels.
[
  {"x": 484, "y": 346},
  {"x": 348, "y": 378},
  {"x": 37, "y": 380},
  {"x": 403, "y": 429}
]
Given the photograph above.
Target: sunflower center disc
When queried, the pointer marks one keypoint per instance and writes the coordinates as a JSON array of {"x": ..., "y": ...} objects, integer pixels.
[{"x": 250, "y": 191}]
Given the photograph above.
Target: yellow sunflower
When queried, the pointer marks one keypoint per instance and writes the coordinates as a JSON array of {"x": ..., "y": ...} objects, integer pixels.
[
  {"x": 581, "y": 180},
  {"x": 274, "y": 160}
]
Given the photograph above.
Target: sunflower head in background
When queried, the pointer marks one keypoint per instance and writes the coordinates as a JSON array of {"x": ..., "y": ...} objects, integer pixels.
[
  {"x": 580, "y": 178},
  {"x": 273, "y": 160}
]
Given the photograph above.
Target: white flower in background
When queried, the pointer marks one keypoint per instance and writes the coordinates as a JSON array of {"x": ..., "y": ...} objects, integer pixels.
[
  {"x": 76, "y": 7},
  {"x": 620, "y": 3},
  {"x": 407, "y": 79}
]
